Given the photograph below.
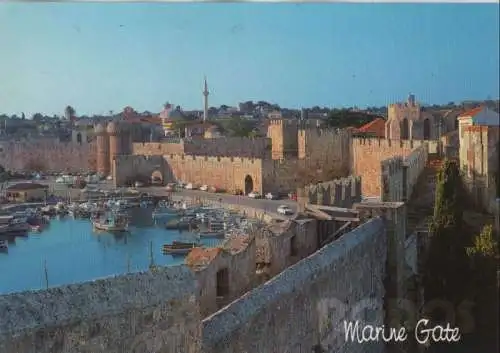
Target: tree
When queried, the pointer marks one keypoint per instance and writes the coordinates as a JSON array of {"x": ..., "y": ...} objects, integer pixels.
[
  {"x": 483, "y": 255},
  {"x": 69, "y": 112},
  {"x": 446, "y": 264}
]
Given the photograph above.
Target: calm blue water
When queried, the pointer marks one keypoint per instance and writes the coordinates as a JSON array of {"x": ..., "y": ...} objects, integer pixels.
[{"x": 74, "y": 253}]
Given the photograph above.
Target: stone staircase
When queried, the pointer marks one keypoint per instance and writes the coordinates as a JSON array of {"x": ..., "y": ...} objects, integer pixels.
[{"x": 420, "y": 207}]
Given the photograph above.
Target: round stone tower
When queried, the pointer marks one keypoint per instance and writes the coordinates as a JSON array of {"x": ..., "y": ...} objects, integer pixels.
[
  {"x": 102, "y": 149},
  {"x": 115, "y": 142}
]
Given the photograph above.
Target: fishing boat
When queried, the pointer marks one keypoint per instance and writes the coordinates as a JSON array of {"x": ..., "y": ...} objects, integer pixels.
[
  {"x": 212, "y": 234},
  {"x": 178, "y": 248},
  {"x": 13, "y": 225},
  {"x": 164, "y": 212},
  {"x": 111, "y": 223}
]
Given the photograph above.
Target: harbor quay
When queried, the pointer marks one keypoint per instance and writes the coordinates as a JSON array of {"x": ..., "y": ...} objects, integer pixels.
[{"x": 61, "y": 244}]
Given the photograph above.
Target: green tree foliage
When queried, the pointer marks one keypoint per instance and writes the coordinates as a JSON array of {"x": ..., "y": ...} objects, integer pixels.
[
  {"x": 238, "y": 127},
  {"x": 342, "y": 118},
  {"x": 483, "y": 256},
  {"x": 446, "y": 264}
]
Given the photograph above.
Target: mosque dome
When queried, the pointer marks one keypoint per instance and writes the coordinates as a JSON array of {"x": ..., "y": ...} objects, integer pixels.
[
  {"x": 99, "y": 128},
  {"x": 113, "y": 127}
]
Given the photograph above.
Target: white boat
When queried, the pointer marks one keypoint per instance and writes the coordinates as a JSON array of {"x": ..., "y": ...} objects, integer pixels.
[
  {"x": 13, "y": 225},
  {"x": 111, "y": 224}
]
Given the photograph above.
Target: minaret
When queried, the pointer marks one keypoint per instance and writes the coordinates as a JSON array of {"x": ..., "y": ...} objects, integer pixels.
[{"x": 205, "y": 101}]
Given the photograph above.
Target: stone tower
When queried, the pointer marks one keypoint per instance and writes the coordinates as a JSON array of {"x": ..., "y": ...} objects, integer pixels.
[
  {"x": 115, "y": 142},
  {"x": 103, "y": 166},
  {"x": 205, "y": 100},
  {"x": 284, "y": 136}
]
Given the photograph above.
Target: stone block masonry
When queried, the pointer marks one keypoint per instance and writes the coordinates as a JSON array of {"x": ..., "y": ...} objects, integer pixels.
[
  {"x": 140, "y": 313},
  {"x": 368, "y": 153},
  {"x": 343, "y": 192},
  {"x": 47, "y": 155},
  {"x": 306, "y": 304}
]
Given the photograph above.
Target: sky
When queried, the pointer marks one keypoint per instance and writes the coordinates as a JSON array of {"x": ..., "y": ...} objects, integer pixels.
[{"x": 99, "y": 57}]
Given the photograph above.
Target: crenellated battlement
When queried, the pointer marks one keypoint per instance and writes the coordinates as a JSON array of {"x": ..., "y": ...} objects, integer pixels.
[
  {"x": 223, "y": 160},
  {"x": 343, "y": 192},
  {"x": 387, "y": 143},
  {"x": 313, "y": 131}
]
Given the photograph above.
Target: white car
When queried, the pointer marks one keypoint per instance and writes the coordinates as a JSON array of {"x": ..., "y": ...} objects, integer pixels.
[
  {"x": 139, "y": 184},
  {"x": 110, "y": 177},
  {"x": 254, "y": 195},
  {"x": 271, "y": 196},
  {"x": 60, "y": 180},
  {"x": 204, "y": 188},
  {"x": 190, "y": 186},
  {"x": 284, "y": 210}
]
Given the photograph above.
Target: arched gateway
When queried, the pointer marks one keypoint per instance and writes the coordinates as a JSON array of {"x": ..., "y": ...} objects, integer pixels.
[{"x": 248, "y": 184}]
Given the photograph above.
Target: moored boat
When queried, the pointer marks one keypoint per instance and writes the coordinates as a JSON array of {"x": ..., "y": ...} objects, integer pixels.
[
  {"x": 4, "y": 245},
  {"x": 178, "y": 248},
  {"x": 111, "y": 223},
  {"x": 212, "y": 234}
]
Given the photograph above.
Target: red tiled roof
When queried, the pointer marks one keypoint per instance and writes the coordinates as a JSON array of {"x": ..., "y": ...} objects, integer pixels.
[
  {"x": 471, "y": 112},
  {"x": 375, "y": 127},
  {"x": 201, "y": 256}
]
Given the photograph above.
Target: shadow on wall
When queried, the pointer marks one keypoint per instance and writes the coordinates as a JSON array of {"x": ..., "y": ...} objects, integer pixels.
[{"x": 304, "y": 306}]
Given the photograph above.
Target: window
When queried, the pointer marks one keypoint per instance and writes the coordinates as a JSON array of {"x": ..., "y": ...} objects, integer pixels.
[
  {"x": 222, "y": 282},
  {"x": 293, "y": 246}
]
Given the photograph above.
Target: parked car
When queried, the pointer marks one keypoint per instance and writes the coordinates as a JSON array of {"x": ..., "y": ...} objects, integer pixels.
[
  {"x": 170, "y": 187},
  {"x": 204, "y": 188},
  {"x": 254, "y": 195},
  {"x": 238, "y": 192},
  {"x": 139, "y": 184},
  {"x": 284, "y": 210},
  {"x": 190, "y": 186},
  {"x": 272, "y": 196}
]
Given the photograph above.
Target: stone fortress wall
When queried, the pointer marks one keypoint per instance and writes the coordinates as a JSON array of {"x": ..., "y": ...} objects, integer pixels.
[
  {"x": 222, "y": 146},
  {"x": 369, "y": 153},
  {"x": 48, "y": 154},
  {"x": 343, "y": 192},
  {"x": 479, "y": 161},
  {"x": 330, "y": 147}
]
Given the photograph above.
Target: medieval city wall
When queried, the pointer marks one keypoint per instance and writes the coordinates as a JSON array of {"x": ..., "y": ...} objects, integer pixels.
[
  {"x": 414, "y": 164},
  {"x": 127, "y": 169},
  {"x": 158, "y": 148},
  {"x": 47, "y": 155},
  {"x": 305, "y": 305},
  {"x": 326, "y": 147},
  {"x": 223, "y": 146},
  {"x": 259, "y": 147},
  {"x": 480, "y": 163},
  {"x": 141, "y": 313},
  {"x": 343, "y": 192},
  {"x": 367, "y": 155},
  {"x": 284, "y": 136},
  {"x": 227, "y": 173}
]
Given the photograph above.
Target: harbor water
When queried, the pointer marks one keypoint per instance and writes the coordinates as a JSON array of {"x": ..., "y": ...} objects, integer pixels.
[{"x": 70, "y": 251}]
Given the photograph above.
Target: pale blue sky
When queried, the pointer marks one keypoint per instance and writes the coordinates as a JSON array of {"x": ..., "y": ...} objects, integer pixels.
[{"x": 100, "y": 57}]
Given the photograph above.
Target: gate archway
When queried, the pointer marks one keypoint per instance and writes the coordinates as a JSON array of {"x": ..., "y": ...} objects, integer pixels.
[
  {"x": 248, "y": 184},
  {"x": 157, "y": 178}
]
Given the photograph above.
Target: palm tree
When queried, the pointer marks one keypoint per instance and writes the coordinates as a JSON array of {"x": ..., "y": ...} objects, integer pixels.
[{"x": 69, "y": 112}]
